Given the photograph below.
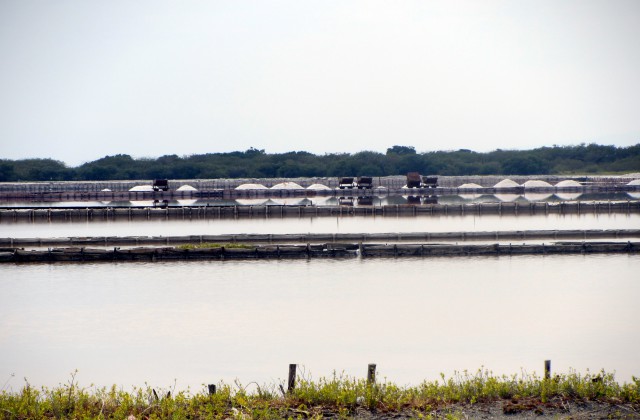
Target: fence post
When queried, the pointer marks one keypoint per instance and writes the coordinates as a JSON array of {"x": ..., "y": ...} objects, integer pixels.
[
  {"x": 547, "y": 369},
  {"x": 371, "y": 373},
  {"x": 292, "y": 377},
  {"x": 212, "y": 389}
]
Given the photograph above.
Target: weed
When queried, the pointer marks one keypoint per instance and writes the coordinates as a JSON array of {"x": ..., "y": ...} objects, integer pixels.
[{"x": 338, "y": 395}]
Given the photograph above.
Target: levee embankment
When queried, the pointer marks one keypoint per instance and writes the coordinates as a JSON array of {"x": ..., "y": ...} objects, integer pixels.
[
  {"x": 349, "y": 250},
  {"x": 426, "y": 237},
  {"x": 280, "y": 211}
]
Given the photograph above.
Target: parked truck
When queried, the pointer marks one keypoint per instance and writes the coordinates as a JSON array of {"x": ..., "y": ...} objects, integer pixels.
[
  {"x": 365, "y": 182},
  {"x": 429, "y": 181},
  {"x": 414, "y": 180},
  {"x": 346, "y": 182},
  {"x": 160, "y": 185}
]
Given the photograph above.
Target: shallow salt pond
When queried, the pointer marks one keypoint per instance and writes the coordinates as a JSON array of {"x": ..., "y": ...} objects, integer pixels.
[
  {"x": 201, "y": 322},
  {"x": 332, "y": 224}
]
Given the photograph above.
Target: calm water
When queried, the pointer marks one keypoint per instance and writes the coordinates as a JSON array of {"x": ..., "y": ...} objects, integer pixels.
[
  {"x": 374, "y": 200},
  {"x": 345, "y": 224},
  {"x": 201, "y": 322}
]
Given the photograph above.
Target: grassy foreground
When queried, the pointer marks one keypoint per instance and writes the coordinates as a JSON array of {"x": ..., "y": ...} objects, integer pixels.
[{"x": 327, "y": 397}]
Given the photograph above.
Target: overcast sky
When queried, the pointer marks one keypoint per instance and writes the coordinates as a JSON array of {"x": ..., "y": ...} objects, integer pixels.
[{"x": 83, "y": 79}]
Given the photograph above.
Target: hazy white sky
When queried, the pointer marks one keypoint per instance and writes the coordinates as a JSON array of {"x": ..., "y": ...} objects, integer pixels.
[{"x": 83, "y": 79}]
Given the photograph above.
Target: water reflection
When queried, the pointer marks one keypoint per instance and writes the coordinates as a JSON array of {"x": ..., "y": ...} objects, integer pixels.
[
  {"x": 323, "y": 201},
  {"x": 375, "y": 200},
  {"x": 345, "y": 201},
  {"x": 568, "y": 196},
  {"x": 324, "y": 224},
  {"x": 365, "y": 201},
  {"x": 507, "y": 198},
  {"x": 536, "y": 197},
  {"x": 287, "y": 201},
  {"x": 470, "y": 197}
]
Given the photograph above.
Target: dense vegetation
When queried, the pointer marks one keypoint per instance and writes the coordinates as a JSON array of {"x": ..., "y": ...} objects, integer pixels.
[
  {"x": 316, "y": 399},
  {"x": 254, "y": 163}
]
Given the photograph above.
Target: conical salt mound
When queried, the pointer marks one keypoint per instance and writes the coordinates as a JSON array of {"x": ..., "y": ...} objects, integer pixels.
[
  {"x": 634, "y": 182},
  {"x": 506, "y": 183},
  {"x": 318, "y": 187},
  {"x": 287, "y": 186},
  {"x": 536, "y": 183},
  {"x": 141, "y": 188},
  {"x": 568, "y": 183},
  {"x": 186, "y": 188},
  {"x": 470, "y": 186},
  {"x": 251, "y": 187}
]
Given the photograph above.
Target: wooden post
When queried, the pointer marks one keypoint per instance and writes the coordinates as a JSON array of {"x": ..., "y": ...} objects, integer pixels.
[
  {"x": 371, "y": 373},
  {"x": 291, "y": 383},
  {"x": 212, "y": 389},
  {"x": 547, "y": 369}
]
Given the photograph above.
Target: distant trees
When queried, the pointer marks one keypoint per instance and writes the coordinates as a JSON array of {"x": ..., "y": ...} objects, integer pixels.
[
  {"x": 34, "y": 170},
  {"x": 525, "y": 165},
  {"x": 255, "y": 163},
  {"x": 109, "y": 167},
  {"x": 401, "y": 150}
]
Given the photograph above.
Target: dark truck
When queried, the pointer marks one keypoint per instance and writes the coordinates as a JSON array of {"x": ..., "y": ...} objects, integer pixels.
[
  {"x": 430, "y": 181},
  {"x": 414, "y": 180},
  {"x": 365, "y": 182},
  {"x": 346, "y": 182},
  {"x": 160, "y": 185}
]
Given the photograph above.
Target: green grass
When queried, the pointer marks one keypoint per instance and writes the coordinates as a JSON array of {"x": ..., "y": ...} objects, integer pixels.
[
  {"x": 215, "y": 245},
  {"x": 339, "y": 395}
]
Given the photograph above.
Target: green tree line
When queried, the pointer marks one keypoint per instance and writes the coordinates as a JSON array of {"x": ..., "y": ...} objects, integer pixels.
[{"x": 254, "y": 163}]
